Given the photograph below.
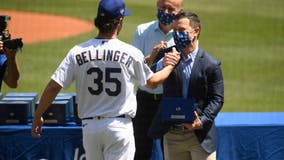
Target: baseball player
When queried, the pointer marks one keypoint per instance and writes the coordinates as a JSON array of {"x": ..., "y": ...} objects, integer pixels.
[{"x": 105, "y": 70}]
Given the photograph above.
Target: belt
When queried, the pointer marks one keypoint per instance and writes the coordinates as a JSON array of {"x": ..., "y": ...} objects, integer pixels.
[
  {"x": 148, "y": 95},
  {"x": 178, "y": 129},
  {"x": 101, "y": 117}
]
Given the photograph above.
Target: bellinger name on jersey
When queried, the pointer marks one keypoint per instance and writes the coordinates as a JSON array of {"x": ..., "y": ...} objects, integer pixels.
[{"x": 104, "y": 55}]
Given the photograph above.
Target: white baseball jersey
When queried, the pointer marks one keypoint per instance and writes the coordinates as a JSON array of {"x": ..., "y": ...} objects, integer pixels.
[{"x": 105, "y": 72}]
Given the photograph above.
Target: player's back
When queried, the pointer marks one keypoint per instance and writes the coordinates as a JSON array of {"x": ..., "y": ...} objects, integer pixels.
[{"x": 106, "y": 70}]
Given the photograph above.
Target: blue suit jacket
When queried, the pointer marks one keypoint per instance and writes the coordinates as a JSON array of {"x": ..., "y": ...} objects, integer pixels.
[{"x": 207, "y": 88}]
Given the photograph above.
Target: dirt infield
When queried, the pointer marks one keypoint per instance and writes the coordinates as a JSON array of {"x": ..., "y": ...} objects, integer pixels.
[{"x": 38, "y": 27}]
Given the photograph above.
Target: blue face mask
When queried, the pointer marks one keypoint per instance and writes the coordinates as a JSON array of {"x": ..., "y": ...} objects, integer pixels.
[
  {"x": 181, "y": 39},
  {"x": 165, "y": 18}
]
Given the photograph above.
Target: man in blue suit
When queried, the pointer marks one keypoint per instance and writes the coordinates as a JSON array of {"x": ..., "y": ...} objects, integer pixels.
[{"x": 199, "y": 76}]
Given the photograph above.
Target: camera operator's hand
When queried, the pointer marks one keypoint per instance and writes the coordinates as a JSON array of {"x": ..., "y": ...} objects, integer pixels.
[{"x": 1, "y": 45}]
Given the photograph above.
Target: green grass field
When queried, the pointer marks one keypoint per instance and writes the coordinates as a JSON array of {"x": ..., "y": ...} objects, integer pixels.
[{"x": 246, "y": 35}]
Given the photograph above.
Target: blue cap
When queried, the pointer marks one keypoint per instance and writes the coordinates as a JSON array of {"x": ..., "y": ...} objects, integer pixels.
[{"x": 112, "y": 9}]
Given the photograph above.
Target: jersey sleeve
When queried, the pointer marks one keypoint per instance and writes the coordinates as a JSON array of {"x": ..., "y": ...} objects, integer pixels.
[
  {"x": 142, "y": 71},
  {"x": 64, "y": 74}
]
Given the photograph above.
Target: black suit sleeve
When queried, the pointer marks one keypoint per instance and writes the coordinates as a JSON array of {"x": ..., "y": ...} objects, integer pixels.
[{"x": 215, "y": 95}]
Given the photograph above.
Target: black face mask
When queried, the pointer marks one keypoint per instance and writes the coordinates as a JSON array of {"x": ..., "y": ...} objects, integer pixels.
[
  {"x": 165, "y": 18},
  {"x": 181, "y": 39}
]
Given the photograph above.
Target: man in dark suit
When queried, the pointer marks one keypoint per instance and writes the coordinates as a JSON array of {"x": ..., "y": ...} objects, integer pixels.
[{"x": 197, "y": 76}]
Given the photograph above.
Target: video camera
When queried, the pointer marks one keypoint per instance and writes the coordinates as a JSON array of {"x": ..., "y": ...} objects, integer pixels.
[{"x": 5, "y": 36}]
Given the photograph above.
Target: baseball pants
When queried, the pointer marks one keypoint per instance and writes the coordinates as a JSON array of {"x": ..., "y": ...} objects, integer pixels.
[{"x": 108, "y": 139}]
